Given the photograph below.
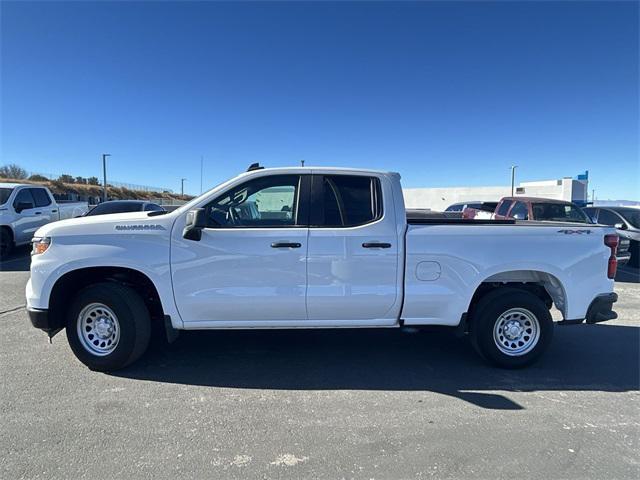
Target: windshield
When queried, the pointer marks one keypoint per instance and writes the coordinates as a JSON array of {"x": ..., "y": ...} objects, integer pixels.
[
  {"x": 559, "y": 212},
  {"x": 5, "y": 193},
  {"x": 193, "y": 202},
  {"x": 631, "y": 216}
]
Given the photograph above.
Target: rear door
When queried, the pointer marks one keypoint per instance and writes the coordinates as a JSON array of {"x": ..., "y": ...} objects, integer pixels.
[
  {"x": 27, "y": 220},
  {"x": 353, "y": 251},
  {"x": 45, "y": 207}
]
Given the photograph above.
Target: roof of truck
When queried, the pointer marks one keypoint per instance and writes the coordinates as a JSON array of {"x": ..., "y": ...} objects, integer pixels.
[
  {"x": 14, "y": 185},
  {"x": 324, "y": 168}
]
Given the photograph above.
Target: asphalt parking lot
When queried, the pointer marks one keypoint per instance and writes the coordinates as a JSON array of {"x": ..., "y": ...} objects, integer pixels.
[{"x": 329, "y": 404}]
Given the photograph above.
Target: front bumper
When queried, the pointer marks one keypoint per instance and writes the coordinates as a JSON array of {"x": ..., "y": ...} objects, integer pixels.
[{"x": 44, "y": 321}]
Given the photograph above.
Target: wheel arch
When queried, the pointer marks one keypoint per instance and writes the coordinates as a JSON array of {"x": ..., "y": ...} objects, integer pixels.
[
  {"x": 544, "y": 285},
  {"x": 7, "y": 228},
  {"x": 71, "y": 282}
]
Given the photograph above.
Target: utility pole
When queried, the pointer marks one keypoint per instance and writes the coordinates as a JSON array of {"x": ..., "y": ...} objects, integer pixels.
[
  {"x": 302, "y": 163},
  {"x": 513, "y": 177},
  {"x": 593, "y": 195},
  {"x": 104, "y": 176},
  {"x": 182, "y": 187},
  {"x": 201, "y": 170}
]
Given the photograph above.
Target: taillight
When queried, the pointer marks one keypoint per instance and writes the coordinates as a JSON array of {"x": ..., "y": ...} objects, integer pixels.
[{"x": 612, "y": 242}]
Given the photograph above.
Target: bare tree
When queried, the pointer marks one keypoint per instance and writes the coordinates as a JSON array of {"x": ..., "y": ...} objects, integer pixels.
[{"x": 13, "y": 171}]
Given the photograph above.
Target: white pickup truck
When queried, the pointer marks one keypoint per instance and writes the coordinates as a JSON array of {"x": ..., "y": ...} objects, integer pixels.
[
  {"x": 26, "y": 207},
  {"x": 314, "y": 248}
]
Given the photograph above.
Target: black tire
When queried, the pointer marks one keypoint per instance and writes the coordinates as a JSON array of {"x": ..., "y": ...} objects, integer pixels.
[
  {"x": 132, "y": 317},
  {"x": 490, "y": 310},
  {"x": 6, "y": 243},
  {"x": 634, "y": 248}
]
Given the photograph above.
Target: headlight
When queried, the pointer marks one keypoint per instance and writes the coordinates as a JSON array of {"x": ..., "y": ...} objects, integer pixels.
[{"x": 40, "y": 245}]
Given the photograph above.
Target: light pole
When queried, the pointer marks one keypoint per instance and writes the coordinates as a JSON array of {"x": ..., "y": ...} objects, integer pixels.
[
  {"x": 513, "y": 177},
  {"x": 104, "y": 176},
  {"x": 182, "y": 187},
  {"x": 201, "y": 170}
]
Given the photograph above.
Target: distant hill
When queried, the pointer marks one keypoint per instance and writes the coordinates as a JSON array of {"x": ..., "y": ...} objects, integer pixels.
[{"x": 93, "y": 193}]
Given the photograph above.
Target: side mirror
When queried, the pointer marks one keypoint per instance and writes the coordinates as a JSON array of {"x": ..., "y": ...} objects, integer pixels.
[
  {"x": 20, "y": 206},
  {"x": 620, "y": 226},
  {"x": 196, "y": 221}
]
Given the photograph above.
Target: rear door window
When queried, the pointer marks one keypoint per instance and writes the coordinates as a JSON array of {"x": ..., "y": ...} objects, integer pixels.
[
  {"x": 559, "y": 212},
  {"x": 346, "y": 200},
  {"x": 607, "y": 217},
  {"x": 41, "y": 197}
]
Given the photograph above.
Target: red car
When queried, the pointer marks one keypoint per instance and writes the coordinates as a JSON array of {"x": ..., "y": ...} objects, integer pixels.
[{"x": 545, "y": 209}]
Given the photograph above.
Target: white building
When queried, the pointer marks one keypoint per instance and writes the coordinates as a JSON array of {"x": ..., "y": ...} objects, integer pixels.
[{"x": 439, "y": 199}]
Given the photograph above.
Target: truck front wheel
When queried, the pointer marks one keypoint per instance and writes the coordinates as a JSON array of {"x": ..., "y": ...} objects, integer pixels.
[
  {"x": 511, "y": 328},
  {"x": 108, "y": 326}
]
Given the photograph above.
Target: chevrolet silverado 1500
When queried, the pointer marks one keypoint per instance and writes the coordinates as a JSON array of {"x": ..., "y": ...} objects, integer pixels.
[
  {"x": 26, "y": 207},
  {"x": 314, "y": 248}
]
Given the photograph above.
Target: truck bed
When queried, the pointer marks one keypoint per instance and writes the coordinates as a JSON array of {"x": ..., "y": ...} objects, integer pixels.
[{"x": 426, "y": 217}]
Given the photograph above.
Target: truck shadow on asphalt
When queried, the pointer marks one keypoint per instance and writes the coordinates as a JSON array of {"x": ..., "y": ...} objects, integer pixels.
[
  {"x": 627, "y": 274},
  {"x": 18, "y": 261},
  {"x": 581, "y": 358}
]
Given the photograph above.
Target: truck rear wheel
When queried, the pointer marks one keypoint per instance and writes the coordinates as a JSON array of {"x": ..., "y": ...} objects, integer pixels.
[
  {"x": 108, "y": 326},
  {"x": 511, "y": 328}
]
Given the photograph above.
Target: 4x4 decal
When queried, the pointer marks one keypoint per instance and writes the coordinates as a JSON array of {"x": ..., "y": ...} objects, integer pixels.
[{"x": 571, "y": 232}]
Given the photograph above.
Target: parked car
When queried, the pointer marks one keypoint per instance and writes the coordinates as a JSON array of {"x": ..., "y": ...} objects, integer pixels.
[
  {"x": 473, "y": 208},
  {"x": 550, "y": 210},
  {"x": 480, "y": 211},
  {"x": 542, "y": 209},
  {"x": 427, "y": 213},
  {"x": 626, "y": 220},
  {"x": 477, "y": 205},
  {"x": 26, "y": 207},
  {"x": 314, "y": 248},
  {"x": 123, "y": 206}
]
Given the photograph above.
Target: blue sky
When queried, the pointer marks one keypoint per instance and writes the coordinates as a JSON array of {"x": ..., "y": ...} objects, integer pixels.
[{"x": 448, "y": 94}]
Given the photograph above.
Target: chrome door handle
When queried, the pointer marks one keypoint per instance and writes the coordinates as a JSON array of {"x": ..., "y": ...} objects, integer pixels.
[
  {"x": 376, "y": 245},
  {"x": 286, "y": 245}
]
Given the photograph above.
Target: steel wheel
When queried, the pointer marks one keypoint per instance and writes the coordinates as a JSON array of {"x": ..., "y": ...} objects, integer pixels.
[
  {"x": 98, "y": 329},
  {"x": 516, "y": 332}
]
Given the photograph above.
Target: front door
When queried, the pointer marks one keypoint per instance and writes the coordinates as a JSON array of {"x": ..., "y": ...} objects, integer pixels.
[{"x": 249, "y": 268}]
